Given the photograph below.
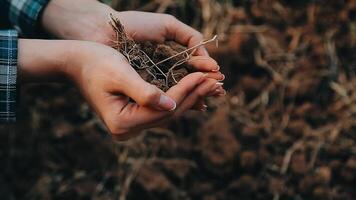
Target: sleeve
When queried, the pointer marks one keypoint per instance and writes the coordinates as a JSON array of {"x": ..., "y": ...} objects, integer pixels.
[
  {"x": 24, "y": 15},
  {"x": 8, "y": 75}
]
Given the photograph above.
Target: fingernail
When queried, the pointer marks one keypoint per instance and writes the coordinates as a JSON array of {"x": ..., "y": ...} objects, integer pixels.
[
  {"x": 219, "y": 83},
  {"x": 166, "y": 103},
  {"x": 218, "y": 91},
  {"x": 204, "y": 108},
  {"x": 222, "y": 93},
  {"x": 223, "y": 77},
  {"x": 217, "y": 69},
  {"x": 215, "y": 93}
]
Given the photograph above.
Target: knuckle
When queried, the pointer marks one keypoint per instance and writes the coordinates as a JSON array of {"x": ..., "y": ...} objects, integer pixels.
[
  {"x": 150, "y": 97},
  {"x": 170, "y": 17},
  {"x": 171, "y": 21}
]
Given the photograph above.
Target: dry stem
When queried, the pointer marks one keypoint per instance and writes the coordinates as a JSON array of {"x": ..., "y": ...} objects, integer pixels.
[{"x": 140, "y": 60}]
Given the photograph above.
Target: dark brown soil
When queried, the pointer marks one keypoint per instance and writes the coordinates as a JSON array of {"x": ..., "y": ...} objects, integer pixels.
[
  {"x": 162, "y": 65},
  {"x": 286, "y": 130},
  {"x": 159, "y": 52}
]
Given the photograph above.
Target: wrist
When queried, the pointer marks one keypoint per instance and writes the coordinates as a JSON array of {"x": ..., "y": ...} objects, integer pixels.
[{"x": 42, "y": 60}]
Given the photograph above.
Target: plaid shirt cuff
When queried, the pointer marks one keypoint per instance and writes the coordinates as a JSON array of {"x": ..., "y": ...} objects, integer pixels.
[
  {"x": 24, "y": 15},
  {"x": 8, "y": 75}
]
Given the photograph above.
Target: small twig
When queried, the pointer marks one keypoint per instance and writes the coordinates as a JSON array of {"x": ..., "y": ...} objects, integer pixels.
[
  {"x": 288, "y": 156},
  {"x": 180, "y": 62},
  {"x": 139, "y": 58},
  {"x": 173, "y": 67},
  {"x": 127, "y": 183},
  {"x": 152, "y": 74},
  {"x": 190, "y": 49},
  {"x": 154, "y": 64},
  {"x": 315, "y": 154},
  {"x": 333, "y": 59},
  {"x": 276, "y": 196}
]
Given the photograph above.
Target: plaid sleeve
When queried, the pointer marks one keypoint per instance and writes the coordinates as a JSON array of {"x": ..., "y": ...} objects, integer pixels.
[
  {"x": 24, "y": 15},
  {"x": 8, "y": 75}
]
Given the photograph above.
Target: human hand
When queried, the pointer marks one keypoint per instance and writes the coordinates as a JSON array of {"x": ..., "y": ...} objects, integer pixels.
[
  {"x": 107, "y": 81},
  {"x": 71, "y": 20}
]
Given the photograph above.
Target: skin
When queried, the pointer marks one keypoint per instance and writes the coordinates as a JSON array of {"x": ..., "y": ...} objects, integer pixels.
[
  {"x": 103, "y": 75},
  {"x": 71, "y": 20},
  {"x": 106, "y": 80}
]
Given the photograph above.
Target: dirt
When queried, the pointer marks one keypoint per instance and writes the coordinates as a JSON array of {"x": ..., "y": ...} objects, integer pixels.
[
  {"x": 161, "y": 52},
  {"x": 161, "y": 64},
  {"x": 286, "y": 129}
]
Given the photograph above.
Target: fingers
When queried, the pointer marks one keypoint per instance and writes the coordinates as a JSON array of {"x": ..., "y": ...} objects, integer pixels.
[
  {"x": 145, "y": 94},
  {"x": 132, "y": 116},
  {"x": 204, "y": 63},
  {"x": 185, "y": 35},
  {"x": 207, "y": 64},
  {"x": 217, "y": 91},
  {"x": 215, "y": 75},
  {"x": 183, "y": 88},
  {"x": 200, "y": 92}
]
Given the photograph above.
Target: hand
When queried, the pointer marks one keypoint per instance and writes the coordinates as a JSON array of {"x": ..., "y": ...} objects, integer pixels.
[
  {"x": 107, "y": 81},
  {"x": 69, "y": 19}
]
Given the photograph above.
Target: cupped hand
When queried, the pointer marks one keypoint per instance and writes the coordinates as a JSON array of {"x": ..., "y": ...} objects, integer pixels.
[
  {"x": 108, "y": 82},
  {"x": 69, "y": 19}
]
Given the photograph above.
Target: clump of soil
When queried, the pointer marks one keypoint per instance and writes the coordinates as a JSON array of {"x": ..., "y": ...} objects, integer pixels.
[{"x": 161, "y": 64}]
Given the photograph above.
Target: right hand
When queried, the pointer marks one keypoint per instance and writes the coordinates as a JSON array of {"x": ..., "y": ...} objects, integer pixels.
[{"x": 107, "y": 82}]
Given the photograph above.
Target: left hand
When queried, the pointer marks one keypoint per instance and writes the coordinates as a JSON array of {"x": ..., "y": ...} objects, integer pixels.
[{"x": 69, "y": 19}]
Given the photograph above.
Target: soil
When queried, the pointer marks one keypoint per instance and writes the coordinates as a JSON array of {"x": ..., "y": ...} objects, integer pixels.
[
  {"x": 161, "y": 64},
  {"x": 286, "y": 129},
  {"x": 159, "y": 52}
]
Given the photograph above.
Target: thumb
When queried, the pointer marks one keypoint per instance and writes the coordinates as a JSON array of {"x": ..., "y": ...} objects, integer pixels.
[{"x": 146, "y": 94}]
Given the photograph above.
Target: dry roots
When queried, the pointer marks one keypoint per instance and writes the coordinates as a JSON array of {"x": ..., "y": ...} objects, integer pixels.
[{"x": 160, "y": 64}]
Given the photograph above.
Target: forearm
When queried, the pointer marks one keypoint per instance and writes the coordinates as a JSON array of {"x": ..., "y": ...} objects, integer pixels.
[{"x": 42, "y": 60}]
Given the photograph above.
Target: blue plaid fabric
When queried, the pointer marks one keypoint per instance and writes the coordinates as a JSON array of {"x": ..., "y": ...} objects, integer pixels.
[
  {"x": 8, "y": 74},
  {"x": 23, "y": 15}
]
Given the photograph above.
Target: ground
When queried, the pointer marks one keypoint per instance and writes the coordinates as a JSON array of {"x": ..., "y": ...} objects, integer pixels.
[{"x": 286, "y": 129}]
